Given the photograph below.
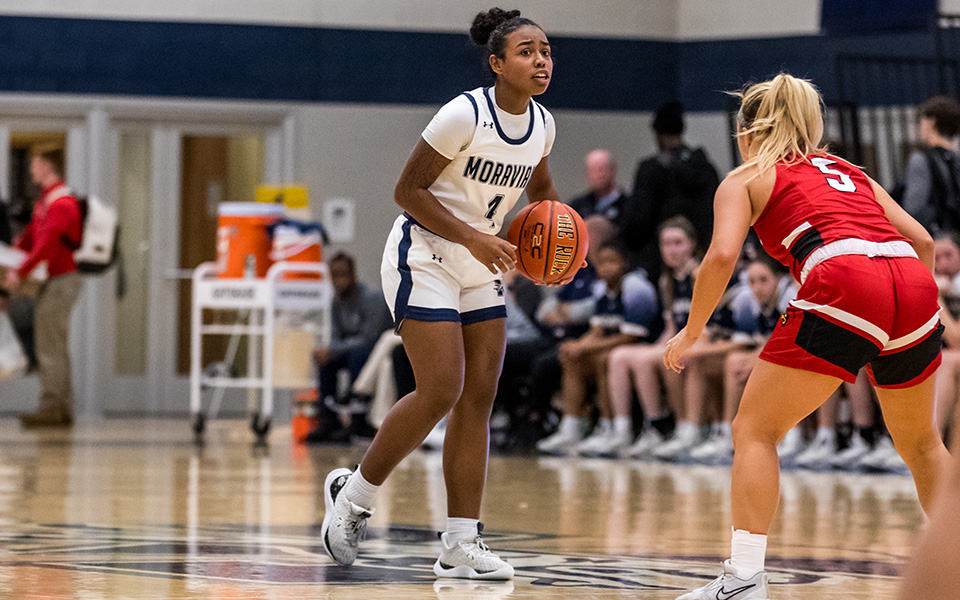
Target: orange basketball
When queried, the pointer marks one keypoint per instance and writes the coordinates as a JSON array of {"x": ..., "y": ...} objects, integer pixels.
[{"x": 551, "y": 241}]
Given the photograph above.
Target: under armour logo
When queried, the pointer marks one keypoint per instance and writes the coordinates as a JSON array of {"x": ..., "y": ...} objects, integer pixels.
[
  {"x": 498, "y": 286},
  {"x": 488, "y": 124},
  {"x": 439, "y": 259}
]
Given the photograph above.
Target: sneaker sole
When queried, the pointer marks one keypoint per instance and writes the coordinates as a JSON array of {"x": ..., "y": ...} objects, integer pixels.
[
  {"x": 328, "y": 502},
  {"x": 465, "y": 572}
]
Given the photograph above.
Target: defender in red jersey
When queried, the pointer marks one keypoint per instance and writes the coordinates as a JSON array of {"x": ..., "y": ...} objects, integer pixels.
[
  {"x": 867, "y": 298},
  {"x": 824, "y": 222}
]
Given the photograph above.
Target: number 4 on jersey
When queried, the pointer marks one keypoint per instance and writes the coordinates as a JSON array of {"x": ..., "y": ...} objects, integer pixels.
[
  {"x": 493, "y": 205},
  {"x": 844, "y": 184}
]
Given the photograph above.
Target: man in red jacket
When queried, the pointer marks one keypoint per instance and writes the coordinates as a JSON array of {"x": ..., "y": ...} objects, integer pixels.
[{"x": 50, "y": 239}]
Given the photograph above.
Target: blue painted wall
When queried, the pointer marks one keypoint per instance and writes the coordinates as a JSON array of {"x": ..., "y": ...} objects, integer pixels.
[
  {"x": 87, "y": 56},
  {"x": 846, "y": 16}
]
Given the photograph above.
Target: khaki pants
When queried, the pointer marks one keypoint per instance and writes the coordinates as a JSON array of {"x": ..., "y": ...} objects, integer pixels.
[{"x": 55, "y": 302}]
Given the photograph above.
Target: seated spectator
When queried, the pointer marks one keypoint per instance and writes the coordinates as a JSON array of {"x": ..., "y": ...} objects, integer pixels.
[
  {"x": 640, "y": 367},
  {"x": 754, "y": 317},
  {"x": 625, "y": 311},
  {"x": 947, "y": 274},
  {"x": 703, "y": 373},
  {"x": 604, "y": 198},
  {"x": 564, "y": 313},
  {"x": 358, "y": 317}
]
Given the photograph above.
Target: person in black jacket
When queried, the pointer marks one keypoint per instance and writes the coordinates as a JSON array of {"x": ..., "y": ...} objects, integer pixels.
[
  {"x": 678, "y": 180},
  {"x": 931, "y": 186}
]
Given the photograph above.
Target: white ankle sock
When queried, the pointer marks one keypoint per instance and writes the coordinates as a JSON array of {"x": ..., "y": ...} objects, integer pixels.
[
  {"x": 461, "y": 529},
  {"x": 360, "y": 491},
  {"x": 825, "y": 435},
  {"x": 623, "y": 425},
  {"x": 747, "y": 552},
  {"x": 686, "y": 430},
  {"x": 571, "y": 425},
  {"x": 604, "y": 426}
]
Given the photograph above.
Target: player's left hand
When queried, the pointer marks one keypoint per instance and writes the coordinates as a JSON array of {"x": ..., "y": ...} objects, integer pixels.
[{"x": 676, "y": 348}]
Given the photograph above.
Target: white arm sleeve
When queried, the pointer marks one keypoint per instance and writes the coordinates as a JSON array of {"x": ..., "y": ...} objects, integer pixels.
[
  {"x": 550, "y": 128},
  {"x": 452, "y": 128}
]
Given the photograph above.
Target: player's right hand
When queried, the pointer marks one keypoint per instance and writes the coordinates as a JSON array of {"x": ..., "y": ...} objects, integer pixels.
[
  {"x": 570, "y": 276},
  {"x": 497, "y": 255},
  {"x": 677, "y": 346}
]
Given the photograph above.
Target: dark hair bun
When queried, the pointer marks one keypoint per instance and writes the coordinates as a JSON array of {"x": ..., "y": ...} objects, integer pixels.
[{"x": 484, "y": 23}]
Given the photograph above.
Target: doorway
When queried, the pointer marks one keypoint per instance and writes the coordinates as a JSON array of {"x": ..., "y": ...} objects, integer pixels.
[
  {"x": 214, "y": 169},
  {"x": 141, "y": 156}
]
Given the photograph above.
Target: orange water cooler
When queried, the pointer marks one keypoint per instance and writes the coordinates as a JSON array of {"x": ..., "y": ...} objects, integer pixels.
[{"x": 243, "y": 232}]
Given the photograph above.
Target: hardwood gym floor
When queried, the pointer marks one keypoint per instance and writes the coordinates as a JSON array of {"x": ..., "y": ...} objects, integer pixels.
[{"x": 133, "y": 509}]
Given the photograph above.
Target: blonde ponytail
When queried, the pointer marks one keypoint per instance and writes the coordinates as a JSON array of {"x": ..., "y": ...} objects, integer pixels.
[{"x": 785, "y": 118}]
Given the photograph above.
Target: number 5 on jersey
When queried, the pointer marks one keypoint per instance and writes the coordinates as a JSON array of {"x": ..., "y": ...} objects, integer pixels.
[{"x": 844, "y": 184}]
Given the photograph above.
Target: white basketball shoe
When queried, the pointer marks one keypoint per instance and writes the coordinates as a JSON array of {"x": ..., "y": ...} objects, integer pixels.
[
  {"x": 470, "y": 558},
  {"x": 883, "y": 458},
  {"x": 719, "y": 446},
  {"x": 850, "y": 456},
  {"x": 604, "y": 443},
  {"x": 561, "y": 442},
  {"x": 820, "y": 452},
  {"x": 791, "y": 444},
  {"x": 685, "y": 437},
  {"x": 344, "y": 523},
  {"x": 728, "y": 586},
  {"x": 648, "y": 441}
]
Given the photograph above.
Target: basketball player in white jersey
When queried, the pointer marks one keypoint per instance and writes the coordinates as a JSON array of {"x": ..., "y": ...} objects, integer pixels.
[{"x": 441, "y": 277}]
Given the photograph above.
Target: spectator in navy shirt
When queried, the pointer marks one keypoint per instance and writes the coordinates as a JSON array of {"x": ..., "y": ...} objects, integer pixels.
[
  {"x": 755, "y": 314},
  {"x": 639, "y": 369},
  {"x": 626, "y": 311},
  {"x": 565, "y": 314}
]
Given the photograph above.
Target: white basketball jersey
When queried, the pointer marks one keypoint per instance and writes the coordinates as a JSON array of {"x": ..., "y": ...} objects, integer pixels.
[{"x": 487, "y": 176}]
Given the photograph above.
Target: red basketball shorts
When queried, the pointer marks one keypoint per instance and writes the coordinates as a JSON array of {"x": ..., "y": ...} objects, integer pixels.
[{"x": 855, "y": 311}]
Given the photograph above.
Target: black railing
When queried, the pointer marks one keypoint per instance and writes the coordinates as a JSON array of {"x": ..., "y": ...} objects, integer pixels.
[{"x": 876, "y": 99}]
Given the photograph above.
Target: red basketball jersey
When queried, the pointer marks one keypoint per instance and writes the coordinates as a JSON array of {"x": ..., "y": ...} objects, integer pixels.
[{"x": 816, "y": 203}]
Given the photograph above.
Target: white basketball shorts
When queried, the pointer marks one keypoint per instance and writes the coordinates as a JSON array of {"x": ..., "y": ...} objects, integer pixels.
[{"x": 428, "y": 278}]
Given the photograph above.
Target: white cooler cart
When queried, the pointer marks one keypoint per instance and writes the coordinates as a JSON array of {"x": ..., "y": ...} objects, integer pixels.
[{"x": 257, "y": 301}]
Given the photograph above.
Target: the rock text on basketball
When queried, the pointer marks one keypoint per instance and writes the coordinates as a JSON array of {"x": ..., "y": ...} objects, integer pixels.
[{"x": 563, "y": 253}]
